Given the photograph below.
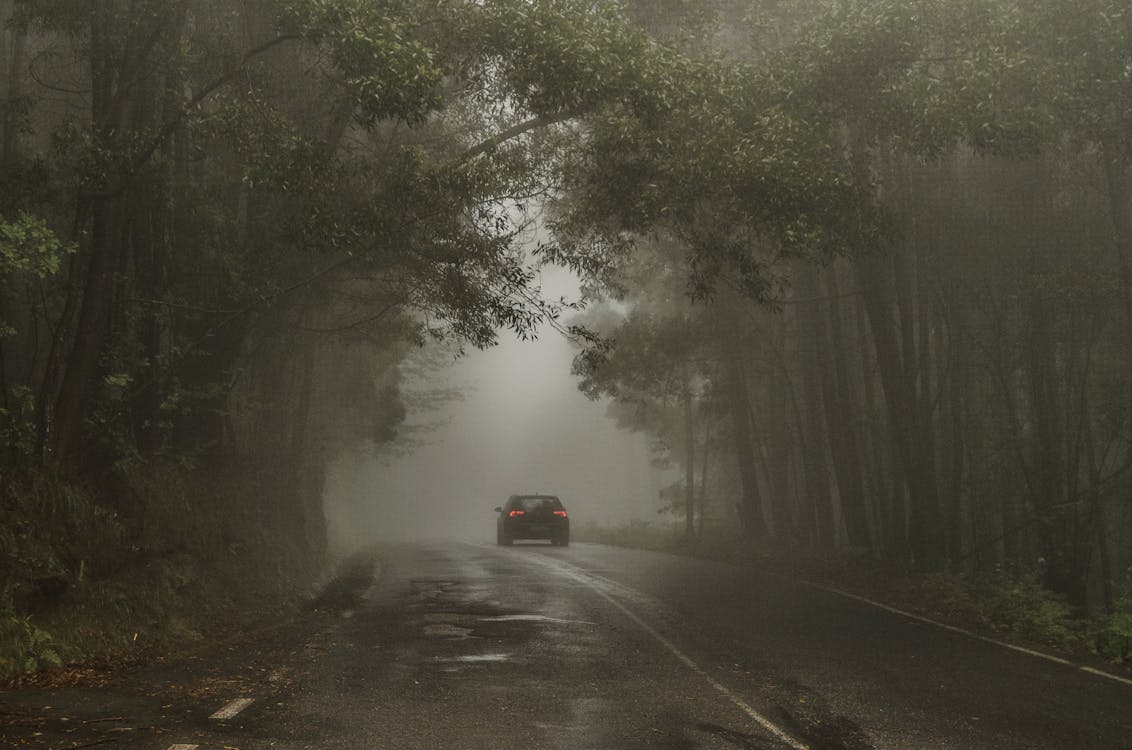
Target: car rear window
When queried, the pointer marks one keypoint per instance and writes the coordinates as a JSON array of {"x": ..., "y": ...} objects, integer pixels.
[{"x": 530, "y": 504}]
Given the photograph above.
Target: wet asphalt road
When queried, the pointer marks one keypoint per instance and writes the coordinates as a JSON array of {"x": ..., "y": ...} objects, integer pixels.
[{"x": 473, "y": 646}]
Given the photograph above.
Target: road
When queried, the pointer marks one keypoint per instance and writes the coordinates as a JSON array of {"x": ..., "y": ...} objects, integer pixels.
[{"x": 462, "y": 645}]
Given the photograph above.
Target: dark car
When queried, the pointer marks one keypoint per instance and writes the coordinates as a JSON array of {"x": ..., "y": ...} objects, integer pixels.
[{"x": 533, "y": 517}]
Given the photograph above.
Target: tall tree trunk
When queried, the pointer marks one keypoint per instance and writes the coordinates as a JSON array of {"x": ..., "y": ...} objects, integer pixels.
[
  {"x": 13, "y": 70},
  {"x": 1054, "y": 522},
  {"x": 750, "y": 505},
  {"x": 70, "y": 378},
  {"x": 813, "y": 347},
  {"x": 781, "y": 458},
  {"x": 1119, "y": 187},
  {"x": 705, "y": 455},
  {"x": 842, "y": 421},
  {"x": 92, "y": 327},
  {"x": 925, "y": 534},
  {"x": 954, "y": 443},
  {"x": 887, "y": 282},
  {"x": 689, "y": 464},
  {"x": 885, "y": 486}
]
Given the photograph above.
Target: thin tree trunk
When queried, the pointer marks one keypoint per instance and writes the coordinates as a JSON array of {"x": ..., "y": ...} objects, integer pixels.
[
  {"x": 689, "y": 465},
  {"x": 92, "y": 327},
  {"x": 815, "y": 371},
  {"x": 704, "y": 477},
  {"x": 954, "y": 444},
  {"x": 842, "y": 421},
  {"x": 750, "y": 506},
  {"x": 9, "y": 141},
  {"x": 925, "y": 534}
]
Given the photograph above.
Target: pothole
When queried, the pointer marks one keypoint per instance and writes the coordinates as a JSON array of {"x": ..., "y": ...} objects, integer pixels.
[{"x": 447, "y": 630}]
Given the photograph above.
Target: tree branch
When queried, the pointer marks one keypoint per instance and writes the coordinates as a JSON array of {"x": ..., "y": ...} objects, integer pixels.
[
  {"x": 505, "y": 135},
  {"x": 175, "y": 122}
]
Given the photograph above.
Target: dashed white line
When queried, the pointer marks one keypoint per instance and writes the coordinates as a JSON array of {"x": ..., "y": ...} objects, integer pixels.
[
  {"x": 231, "y": 709},
  {"x": 183, "y": 747}
]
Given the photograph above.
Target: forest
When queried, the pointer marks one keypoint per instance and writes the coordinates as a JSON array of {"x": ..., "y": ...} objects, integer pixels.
[{"x": 862, "y": 269}]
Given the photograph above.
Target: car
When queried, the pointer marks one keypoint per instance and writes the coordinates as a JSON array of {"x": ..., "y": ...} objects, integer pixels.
[{"x": 532, "y": 517}]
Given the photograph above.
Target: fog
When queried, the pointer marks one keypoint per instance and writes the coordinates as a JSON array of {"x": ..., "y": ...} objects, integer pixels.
[{"x": 521, "y": 426}]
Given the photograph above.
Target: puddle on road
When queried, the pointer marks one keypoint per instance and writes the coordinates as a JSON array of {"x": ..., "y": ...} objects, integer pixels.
[
  {"x": 447, "y": 631},
  {"x": 473, "y": 658},
  {"x": 534, "y": 618},
  {"x": 451, "y": 618}
]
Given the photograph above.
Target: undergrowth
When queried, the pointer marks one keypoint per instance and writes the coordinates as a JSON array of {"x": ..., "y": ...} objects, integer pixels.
[{"x": 155, "y": 560}]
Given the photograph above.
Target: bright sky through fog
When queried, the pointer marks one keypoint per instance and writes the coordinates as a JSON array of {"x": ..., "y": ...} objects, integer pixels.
[{"x": 523, "y": 426}]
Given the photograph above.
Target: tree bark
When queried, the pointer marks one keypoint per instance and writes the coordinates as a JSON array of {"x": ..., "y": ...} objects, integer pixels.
[
  {"x": 887, "y": 282},
  {"x": 750, "y": 505},
  {"x": 689, "y": 464},
  {"x": 14, "y": 66},
  {"x": 813, "y": 350},
  {"x": 92, "y": 326},
  {"x": 705, "y": 454},
  {"x": 842, "y": 420}
]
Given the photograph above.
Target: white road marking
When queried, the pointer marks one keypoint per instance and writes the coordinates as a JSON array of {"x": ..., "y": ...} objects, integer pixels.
[
  {"x": 472, "y": 658},
  {"x": 969, "y": 634},
  {"x": 1109, "y": 675},
  {"x": 231, "y": 709},
  {"x": 183, "y": 747},
  {"x": 742, "y": 705},
  {"x": 534, "y": 618},
  {"x": 944, "y": 626}
]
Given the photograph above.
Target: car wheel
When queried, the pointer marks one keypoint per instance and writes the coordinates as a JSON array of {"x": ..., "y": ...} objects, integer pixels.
[
  {"x": 561, "y": 540},
  {"x": 502, "y": 539}
]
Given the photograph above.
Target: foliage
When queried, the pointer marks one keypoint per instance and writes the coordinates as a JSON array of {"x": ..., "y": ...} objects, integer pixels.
[
  {"x": 1111, "y": 636},
  {"x": 27, "y": 245},
  {"x": 80, "y": 579},
  {"x": 17, "y": 424},
  {"x": 29, "y": 251},
  {"x": 1022, "y": 605},
  {"x": 27, "y": 646}
]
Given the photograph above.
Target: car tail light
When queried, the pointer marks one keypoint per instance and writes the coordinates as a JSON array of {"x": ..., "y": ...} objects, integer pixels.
[
  {"x": 560, "y": 513},
  {"x": 515, "y": 513}
]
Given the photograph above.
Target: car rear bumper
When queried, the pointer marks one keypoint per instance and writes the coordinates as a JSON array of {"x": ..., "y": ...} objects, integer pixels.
[{"x": 536, "y": 530}]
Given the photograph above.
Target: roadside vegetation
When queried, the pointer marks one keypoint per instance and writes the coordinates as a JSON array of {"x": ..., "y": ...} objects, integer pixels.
[
  {"x": 199, "y": 559},
  {"x": 862, "y": 269}
]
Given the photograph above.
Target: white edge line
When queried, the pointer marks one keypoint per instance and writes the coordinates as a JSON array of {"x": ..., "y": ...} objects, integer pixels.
[
  {"x": 231, "y": 709},
  {"x": 969, "y": 634},
  {"x": 741, "y": 704},
  {"x": 954, "y": 629},
  {"x": 183, "y": 747},
  {"x": 1109, "y": 675}
]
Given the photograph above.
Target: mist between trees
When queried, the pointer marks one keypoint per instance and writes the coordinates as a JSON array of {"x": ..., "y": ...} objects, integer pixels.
[{"x": 871, "y": 259}]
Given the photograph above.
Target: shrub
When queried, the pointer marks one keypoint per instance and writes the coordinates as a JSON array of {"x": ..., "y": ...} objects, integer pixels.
[
  {"x": 1022, "y": 605},
  {"x": 26, "y": 646}
]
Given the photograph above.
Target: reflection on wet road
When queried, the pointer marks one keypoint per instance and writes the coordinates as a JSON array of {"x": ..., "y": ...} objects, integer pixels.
[{"x": 469, "y": 646}]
